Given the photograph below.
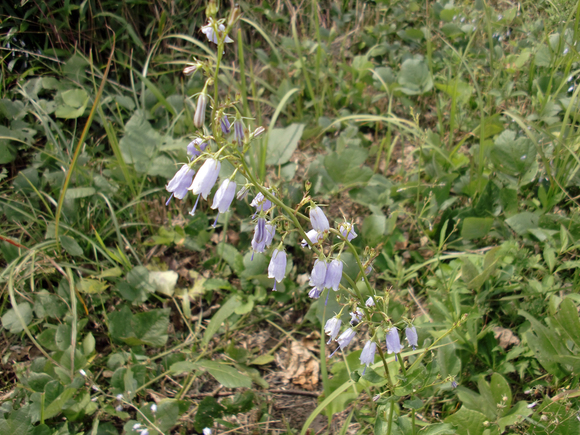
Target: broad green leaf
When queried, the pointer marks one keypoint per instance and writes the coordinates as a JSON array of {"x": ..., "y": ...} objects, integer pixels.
[
  {"x": 500, "y": 389},
  {"x": 522, "y": 222},
  {"x": 568, "y": 318},
  {"x": 282, "y": 142},
  {"x": 11, "y": 320},
  {"x": 414, "y": 77},
  {"x": 468, "y": 421},
  {"x": 262, "y": 360},
  {"x": 150, "y": 327},
  {"x": 17, "y": 423},
  {"x": 208, "y": 410},
  {"x": 140, "y": 142},
  {"x": 476, "y": 228},
  {"x": 231, "y": 256},
  {"x": 226, "y": 375},
  {"x": 514, "y": 415},
  {"x": 373, "y": 228},
  {"x": 79, "y": 192},
  {"x": 345, "y": 168},
  {"x": 513, "y": 156},
  {"x": 438, "y": 429},
  {"x": 74, "y": 104},
  {"x": 182, "y": 367},
  {"x": 226, "y": 310}
]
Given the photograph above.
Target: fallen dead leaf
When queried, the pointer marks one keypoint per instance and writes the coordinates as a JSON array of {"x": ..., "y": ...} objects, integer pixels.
[
  {"x": 505, "y": 337},
  {"x": 300, "y": 367}
]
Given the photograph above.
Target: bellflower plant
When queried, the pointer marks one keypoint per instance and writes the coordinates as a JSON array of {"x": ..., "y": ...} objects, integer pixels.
[
  {"x": 411, "y": 335},
  {"x": 367, "y": 356},
  {"x": 318, "y": 220},
  {"x": 314, "y": 237},
  {"x": 239, "y": 131},
  {"x": 393, "y": 341},
  {"x": 332, "y": 328},
  {"x": 318, "y": 275},
  {"x": 196, "y": 147},
  {"x": 277, "y": 266},
  {"x": 209, "y": 31},
  {"x": 344, "y": 339},
  {"x": 224, "y": 197},
  {"x": 180, "y": 183},
  {"x": 347, "y": 231},
  {"x": 204, "y": 180},
  {"x": 225, "y": 124},
  {"x": 333, "y": 275}
]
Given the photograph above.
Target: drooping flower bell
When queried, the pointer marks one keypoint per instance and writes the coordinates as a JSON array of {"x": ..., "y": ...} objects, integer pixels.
[
  {"x": 318, "y": 220},
  {"x": 314, "y": 237},
  {"x": 209, "y": 31},
  {"x": 356, "y": 316},
  {"x": 204, "y": 180},
  {"x": 367, "y": 356},
  {"x": 314, "y": 293},
  {"x": 318, "y": 275},
  {"x": 333, "y": 275},
  {"x": 180, "y": 182},
  {"x": 224, "y": 197},
  {"x": 195, "y": 148},
  {"x": 347, "y": 230},
  {"x": 393, "y": 341},
  {"x": 370, "y": 302},
  {"x": 199, "y": 117},
  {"x": 412, "y": 338},
  {"x": 263, "y": 235},
  {"x": 261, "y": 203},
  {"x": 344, "y": 339},
  {"x": 225, "y": 124},
  {"x": 239, "y": 131},
  {"x": 277, "y": 266},
  {"x": 332, "y": 328}
]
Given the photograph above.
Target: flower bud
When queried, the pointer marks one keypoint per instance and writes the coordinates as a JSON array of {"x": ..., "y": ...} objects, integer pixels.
[
  {"x": 412, "y": 337},
  {"x": 257, "y": 132},
  {"x": 393, "y": 341},
  {"x": 318, "y": 219},
  {"x": 239, "y": 131},
  {"x": 199, "y": 117},
  {"x": 367, "y": 356},
  {"x": 189, "y": 70},
  {"x": 333, "y": 275},
  {"x": 332, "y": 328}
]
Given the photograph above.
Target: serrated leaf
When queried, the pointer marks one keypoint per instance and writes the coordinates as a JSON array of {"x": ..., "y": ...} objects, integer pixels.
[{"x": 226, "y": 375}]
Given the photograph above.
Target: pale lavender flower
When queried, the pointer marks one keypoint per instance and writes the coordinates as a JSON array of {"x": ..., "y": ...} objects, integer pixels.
[
  {"x": 224, "y": 197},
  {"x": 239, "y": 131},
  {"x": 370, "y": 302},
  {"x": 533, "y": 404},
  {"x": 347, "y": 230},
  {"x": 225, "y": 124},
  {"x": 204, "y": 180},
  {"x": 145, "y": 432},
  {"x": 199, "y": 116},
  {"x": 154, "y": 408},
  {"x": 318, "y": 275},
  {"x": 277, "y": 266},
  {"x": 195, "y": 147},
  {"x": 180, "y": 183},
  {"x": 367, "y": 356},
  {"x": 119, "y": 408},
  {"x": 454, "y": 384},
  {"x": 261, "y": 203},
  {"x": 314, "y": 293},
  {"x": 344, "y": 339},
  {"x": 393, "y": 341},
  {"x": 377, "y": 397},
  {"x": 411, "y": 334},
  {"x": 318, "y": 220},
  {"x": 207, "y": 431},
  {"x": 209, "y": 31},
  {"x": 136, "y": 426},
  {"x": 356, "y": 316},
  {"x": 333, "y": 275},
  {"x": 314, "y": 236},
  {"x": 332, "y": 328},
  {"x": 263, "y": 236}
]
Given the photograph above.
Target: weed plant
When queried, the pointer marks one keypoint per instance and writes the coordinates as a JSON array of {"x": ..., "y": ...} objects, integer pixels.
[{"x": 402, "y": 170}]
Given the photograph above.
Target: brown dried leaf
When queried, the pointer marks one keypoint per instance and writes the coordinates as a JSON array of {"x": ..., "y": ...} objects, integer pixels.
[{"x": 505, "y": 337}]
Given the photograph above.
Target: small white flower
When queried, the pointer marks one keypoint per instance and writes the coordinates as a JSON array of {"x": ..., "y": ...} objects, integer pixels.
[
  {"x": 154, "y": 408},
  {"x": 207, "y": 431},
  {"x": 83, "y": 373}
]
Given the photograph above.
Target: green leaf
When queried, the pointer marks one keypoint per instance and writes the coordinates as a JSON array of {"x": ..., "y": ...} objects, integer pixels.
[
  {"x": 513, "y": 156},
  {"x": 208, "y": 410},
  {"x": 414, "y": 77},
  {"x": 164, "y": 282},
  {"x": 79, "y": 192},
  {"x": 500, "y": 388},
  {"x": 150, "y": 327},
  {"x": 468, "y": 422},
  {"x": 226, "y": 310},
  {"x": 476, "y": 228},
  {"x": 17, "y": 423},
  {"x": 438, "y": 429},
  {"x": 75, "y": 102},
  {"x": 262, "y": 360},
  {"x": 226, "y": 375},
  {"x": 514, "y": 415},
  {"x": 373, "y": 228},
  {"x": 282, "y": 142},
  {"x": 568, "y": 319},
  {"x": 413, "y": 404},
  {"x": 140, "y": 142},
  {"x": 372, "y": 376},
  {"x": 345, "y": 168},
  {"x": 11, "y": 319},
  {"x": 231, "y": 256},
  {"x": 91, "y": 286},
  {"x": 522, "y": 222}
]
